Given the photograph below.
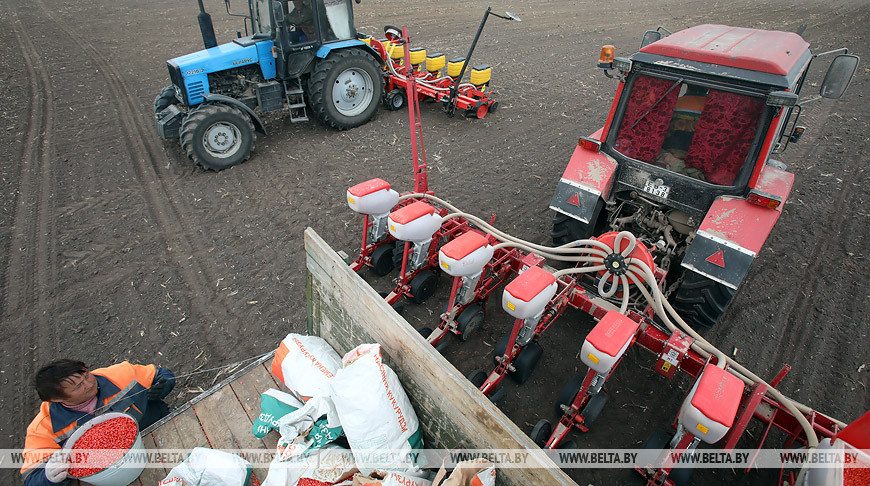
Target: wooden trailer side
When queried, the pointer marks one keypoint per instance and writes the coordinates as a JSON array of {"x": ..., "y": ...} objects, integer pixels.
[{"x": 346, "y": 311}]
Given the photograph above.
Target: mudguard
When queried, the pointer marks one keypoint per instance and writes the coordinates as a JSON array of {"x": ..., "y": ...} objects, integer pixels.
[
  {"x": 734, "y": 230},
  {"x": 258, "y": 123},
  {"x": 325, "y": 49},
  {"x": 587, "y": 180}
]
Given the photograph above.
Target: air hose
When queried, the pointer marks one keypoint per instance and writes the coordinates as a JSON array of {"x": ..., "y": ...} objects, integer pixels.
[
  {"x": 428, "y": 82},
  {"x": 594, "y": 251}
]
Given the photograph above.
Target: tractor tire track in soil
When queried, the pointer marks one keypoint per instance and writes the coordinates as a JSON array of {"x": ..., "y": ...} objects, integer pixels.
[
  {"x": 28, "y": 297},
  {"x": 794, "y": 330},
  {"x": 163, "y": 206}
]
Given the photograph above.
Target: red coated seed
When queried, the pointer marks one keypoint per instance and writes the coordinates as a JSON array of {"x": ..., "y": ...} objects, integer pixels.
[
  {"x": 102, "y": 445},
  {"x": 312, "y": 482},
  {"x": 856, "y": 476}
]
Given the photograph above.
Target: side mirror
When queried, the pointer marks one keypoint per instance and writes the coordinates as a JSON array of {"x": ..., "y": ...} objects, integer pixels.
[
  {"x": 649, "y": 37},
  {"x": 839, "y": 76}
]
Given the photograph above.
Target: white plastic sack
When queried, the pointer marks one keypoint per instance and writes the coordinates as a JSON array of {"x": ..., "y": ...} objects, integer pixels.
[
  {"x": 375, "y": 412},
  {"x": 330, "y": 464},
  {"x": 390, "y": 479},
  {"x": 306, "y": 428},
  {"x": 305, "y": 364},
  {"x": 477, "y": 472},
  {"x": 209, "y": 467}
]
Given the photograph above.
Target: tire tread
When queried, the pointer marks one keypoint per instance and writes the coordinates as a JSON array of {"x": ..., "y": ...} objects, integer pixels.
[{"x": 197, "y": 116}]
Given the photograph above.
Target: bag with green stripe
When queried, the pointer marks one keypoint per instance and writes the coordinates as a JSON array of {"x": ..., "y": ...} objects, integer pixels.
[{"x": 375, "y": 412}]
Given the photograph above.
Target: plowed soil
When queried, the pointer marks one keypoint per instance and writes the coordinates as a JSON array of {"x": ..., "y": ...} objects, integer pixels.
[{"x": 116, "y": 247}]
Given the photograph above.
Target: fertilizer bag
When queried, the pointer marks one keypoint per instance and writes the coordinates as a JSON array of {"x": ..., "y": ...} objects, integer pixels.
[
  {"x": 375, "y": 412},
  {"x": 305, "y": 364},
  {"x": 274, "y": 404},
  {"x": 210, "y": 467}
]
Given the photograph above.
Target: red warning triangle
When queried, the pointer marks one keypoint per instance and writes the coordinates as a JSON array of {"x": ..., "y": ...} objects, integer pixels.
[
  {"x": 575, "y": 199},
  {"x": 717, "y": 259}
]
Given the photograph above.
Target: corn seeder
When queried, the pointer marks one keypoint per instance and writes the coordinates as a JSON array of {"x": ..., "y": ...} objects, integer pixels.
[
  {"x": 616, "y": 278},
  {"x": 433, "y": 81}
]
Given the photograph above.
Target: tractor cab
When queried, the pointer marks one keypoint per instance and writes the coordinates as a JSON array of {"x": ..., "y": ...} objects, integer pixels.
[
  {"x": 300, "y": 27},
  {"x": 684, "y": 158},
  {"x": 701, "y": 111},
  {"x": 307, "y": 22}
]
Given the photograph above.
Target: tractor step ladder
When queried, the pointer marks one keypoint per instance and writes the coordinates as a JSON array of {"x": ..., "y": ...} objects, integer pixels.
[{"x": 296, "y": 100}]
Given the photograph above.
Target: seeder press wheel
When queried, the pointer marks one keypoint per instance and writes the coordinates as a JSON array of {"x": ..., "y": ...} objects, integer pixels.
[
  {"x": 525, "y": 362},
  {"x": 541, "y": 432}
]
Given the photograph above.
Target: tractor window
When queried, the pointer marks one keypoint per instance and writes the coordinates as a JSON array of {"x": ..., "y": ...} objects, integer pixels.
[
  {"x": 699, "y": 132},
  {"x": 300, "y": 21},
  {"x": 339, "y": 20},
  {"x": 261, "y": 18}
]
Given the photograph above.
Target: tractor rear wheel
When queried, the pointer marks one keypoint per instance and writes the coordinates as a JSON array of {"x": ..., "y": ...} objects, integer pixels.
[
  {"x": 164, "y": 99},
  {"x": 345, "y": 89},
  {"x": 217, "y": 136},
  {"x": 567, "y": 229},
  {"x": 701, "y": 301}
]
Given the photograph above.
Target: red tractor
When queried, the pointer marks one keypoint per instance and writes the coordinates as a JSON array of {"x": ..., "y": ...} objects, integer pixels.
[{"x": 684, "y": 159}]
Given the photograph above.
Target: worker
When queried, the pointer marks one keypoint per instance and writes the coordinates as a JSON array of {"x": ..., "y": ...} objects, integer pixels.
[
  {"x": 300, "y": 20},
  {"x": 72, "y": 395},
  {"x": 681, "y": 129}
]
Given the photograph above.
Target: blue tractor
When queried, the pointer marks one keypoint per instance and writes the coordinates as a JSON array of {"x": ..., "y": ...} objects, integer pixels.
[{"x": 300, "y": 56}]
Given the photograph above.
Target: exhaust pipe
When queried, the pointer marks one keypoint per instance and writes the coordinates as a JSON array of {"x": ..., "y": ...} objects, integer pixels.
[{"x": 206, "y": 27}]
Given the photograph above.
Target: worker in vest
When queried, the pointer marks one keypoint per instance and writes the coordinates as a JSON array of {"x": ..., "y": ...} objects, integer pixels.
[
  {"x": 687, "y": 112},
  {"x": 72, "y": 395}
]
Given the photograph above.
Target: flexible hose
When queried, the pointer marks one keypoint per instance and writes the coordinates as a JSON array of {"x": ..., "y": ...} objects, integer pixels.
[
  {"x": 427, "y": 82},
  {"x": 639, "y": 273},
  {"x": 500, "y": 234},
  {"x": 704, "y": 348}
]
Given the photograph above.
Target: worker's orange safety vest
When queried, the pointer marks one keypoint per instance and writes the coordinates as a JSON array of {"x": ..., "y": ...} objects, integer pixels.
[{"x": 122, "y": 388}]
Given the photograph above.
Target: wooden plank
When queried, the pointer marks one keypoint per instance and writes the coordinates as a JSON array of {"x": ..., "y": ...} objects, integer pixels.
[
  {"x": 346, "y": 311},
  {"x": 152, "y": 475},
  {"x": 248, "y": 388},
  {"x": 182, "y": 432},
  {"x": 228, "y": 427}
]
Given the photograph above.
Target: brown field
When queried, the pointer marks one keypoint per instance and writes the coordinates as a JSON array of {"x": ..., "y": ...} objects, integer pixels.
[{"x": 114, "y": 246}]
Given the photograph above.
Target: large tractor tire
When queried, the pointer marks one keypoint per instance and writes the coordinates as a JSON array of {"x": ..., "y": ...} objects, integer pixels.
[
  {"x": 345, "y": 89},
  {"x": 164, "y": 99},
  {"x": 701, "y": 301},
  {"x": 567, "y": 229},
  {"x": 217, "y": 136}
]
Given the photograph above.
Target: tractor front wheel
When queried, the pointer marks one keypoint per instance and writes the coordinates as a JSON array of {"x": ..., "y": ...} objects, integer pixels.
[
  {"x": 164, "y": 99},
  {"x": 345, "y": 89},
  {"x": 217, "y": 136},
  {"x": 701, "y": 301}
]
